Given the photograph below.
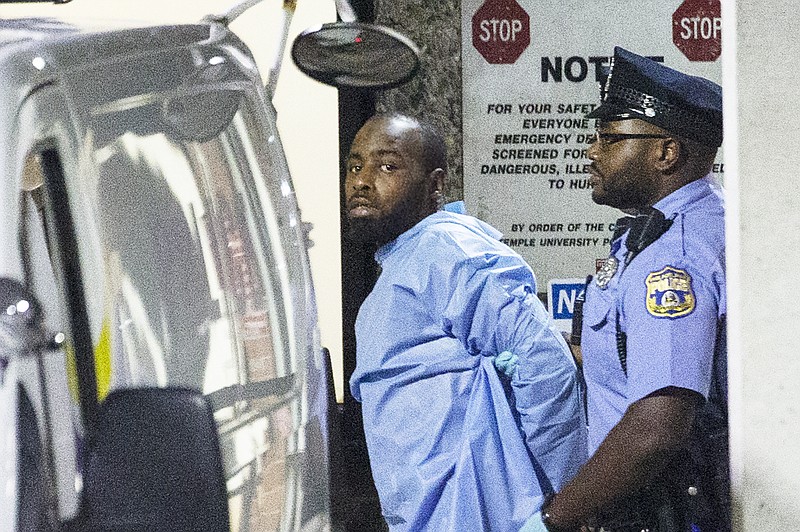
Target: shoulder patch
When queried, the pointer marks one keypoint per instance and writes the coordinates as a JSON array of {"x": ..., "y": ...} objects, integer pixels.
[{"x": 669, "y": 293}]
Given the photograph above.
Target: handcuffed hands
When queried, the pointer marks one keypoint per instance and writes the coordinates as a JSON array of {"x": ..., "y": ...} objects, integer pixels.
[{"x": 506, "y": 363}]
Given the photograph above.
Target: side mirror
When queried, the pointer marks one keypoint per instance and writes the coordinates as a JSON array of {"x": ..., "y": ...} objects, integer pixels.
[
  {"x": 354, "y": 54},
  {"x": 154, "y": 463}
]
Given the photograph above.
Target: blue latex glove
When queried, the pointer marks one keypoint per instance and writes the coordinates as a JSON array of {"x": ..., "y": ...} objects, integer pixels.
[
  {"x": 506, "y": 363},
  {"x": 534, "y": 524}
]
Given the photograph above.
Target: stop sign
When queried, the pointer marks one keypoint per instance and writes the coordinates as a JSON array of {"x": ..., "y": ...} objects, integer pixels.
[
  {"x": 501, "y": 31},
  {"x": 697, "y": 29}
]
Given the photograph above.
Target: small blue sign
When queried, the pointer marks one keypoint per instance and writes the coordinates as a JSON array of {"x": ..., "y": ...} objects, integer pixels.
[{"x": 561, "y": 297}]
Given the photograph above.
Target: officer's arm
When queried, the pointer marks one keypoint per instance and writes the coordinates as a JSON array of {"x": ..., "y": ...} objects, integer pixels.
[{"x": 633, "y": 453}]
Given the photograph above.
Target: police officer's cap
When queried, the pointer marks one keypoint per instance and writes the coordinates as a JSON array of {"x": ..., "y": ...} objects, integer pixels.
[{"x": 638, "y": 87}]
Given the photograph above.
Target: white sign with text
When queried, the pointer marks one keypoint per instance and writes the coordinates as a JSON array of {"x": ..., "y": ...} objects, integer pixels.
[{"x": 531, "y": 71}]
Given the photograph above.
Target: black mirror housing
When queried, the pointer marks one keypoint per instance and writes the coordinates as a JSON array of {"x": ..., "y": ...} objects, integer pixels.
[{"x": 355, "y": 54}]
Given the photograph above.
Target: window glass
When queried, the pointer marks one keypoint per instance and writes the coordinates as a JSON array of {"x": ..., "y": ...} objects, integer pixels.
[
  {"x": 197, "y": 283},
  {"x": 185, "y": 245},
  {"x": 197, "y": 298}
]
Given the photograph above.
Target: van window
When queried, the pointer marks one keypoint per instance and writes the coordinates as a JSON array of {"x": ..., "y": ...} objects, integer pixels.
[
  {"x": 182, "y": 263},
  {"x": 197, "y": 284},
  {"x": 198, "y": 301}
]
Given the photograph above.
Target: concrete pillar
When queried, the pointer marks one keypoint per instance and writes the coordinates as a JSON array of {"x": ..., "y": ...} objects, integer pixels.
[
  {"x": 434, "y": 94},
  {"x": 764, "y": 261}
]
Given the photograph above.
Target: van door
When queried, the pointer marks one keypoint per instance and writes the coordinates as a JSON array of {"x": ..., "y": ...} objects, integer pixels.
[{"x": 169, "y": 249}]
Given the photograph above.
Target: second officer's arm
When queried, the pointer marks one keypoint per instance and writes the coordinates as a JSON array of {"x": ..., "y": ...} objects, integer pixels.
[{"x": 634, "y": 452}]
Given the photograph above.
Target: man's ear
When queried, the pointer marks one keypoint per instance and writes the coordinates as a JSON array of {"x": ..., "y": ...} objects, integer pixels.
[
  {"x": 437, "y": 178},
  {"x": 672, "y": 155}
]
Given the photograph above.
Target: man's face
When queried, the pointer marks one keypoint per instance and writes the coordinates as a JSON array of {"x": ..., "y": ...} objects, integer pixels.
[
  {"x": 387, "y": 189},
  {"x": 622, "y": 172}
]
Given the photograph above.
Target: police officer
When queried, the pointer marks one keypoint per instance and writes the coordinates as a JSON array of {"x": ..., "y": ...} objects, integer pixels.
[{"x": 654, "y": 317}]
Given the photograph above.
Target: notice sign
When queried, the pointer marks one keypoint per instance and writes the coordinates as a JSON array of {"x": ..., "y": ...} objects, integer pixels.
[{"x": 531, "y": 72}]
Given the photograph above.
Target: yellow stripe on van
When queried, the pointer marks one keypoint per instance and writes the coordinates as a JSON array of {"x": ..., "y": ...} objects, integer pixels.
[{"x": 102, "y": 364}]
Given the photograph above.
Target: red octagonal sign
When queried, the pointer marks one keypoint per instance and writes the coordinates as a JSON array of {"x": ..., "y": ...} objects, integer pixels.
[
  {"x": 501, "y": 31},
  {"x": 697, "y": 29}
]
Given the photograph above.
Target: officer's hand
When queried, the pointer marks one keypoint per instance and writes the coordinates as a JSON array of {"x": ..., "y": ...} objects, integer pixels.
[{"x": 506, "y": 363}]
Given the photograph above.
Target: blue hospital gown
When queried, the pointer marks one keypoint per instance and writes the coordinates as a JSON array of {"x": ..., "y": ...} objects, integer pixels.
[{"x": 447, "y": 448}]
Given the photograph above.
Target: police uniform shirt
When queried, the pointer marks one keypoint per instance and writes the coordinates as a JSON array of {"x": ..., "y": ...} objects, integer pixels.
[{"x": 668, "y": 301}]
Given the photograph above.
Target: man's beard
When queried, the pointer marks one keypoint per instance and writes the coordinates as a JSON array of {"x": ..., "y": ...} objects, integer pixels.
[
  {"x": 369, "y": 231},
  {"x": 623, "y": 193}
]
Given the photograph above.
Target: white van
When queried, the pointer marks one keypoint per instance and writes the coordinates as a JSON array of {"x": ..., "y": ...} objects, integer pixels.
[{"x": 155, "y": 290}]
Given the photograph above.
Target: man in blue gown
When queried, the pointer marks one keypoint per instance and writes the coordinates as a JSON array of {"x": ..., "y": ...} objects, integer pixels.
[{"x": 452, "y": 445}]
